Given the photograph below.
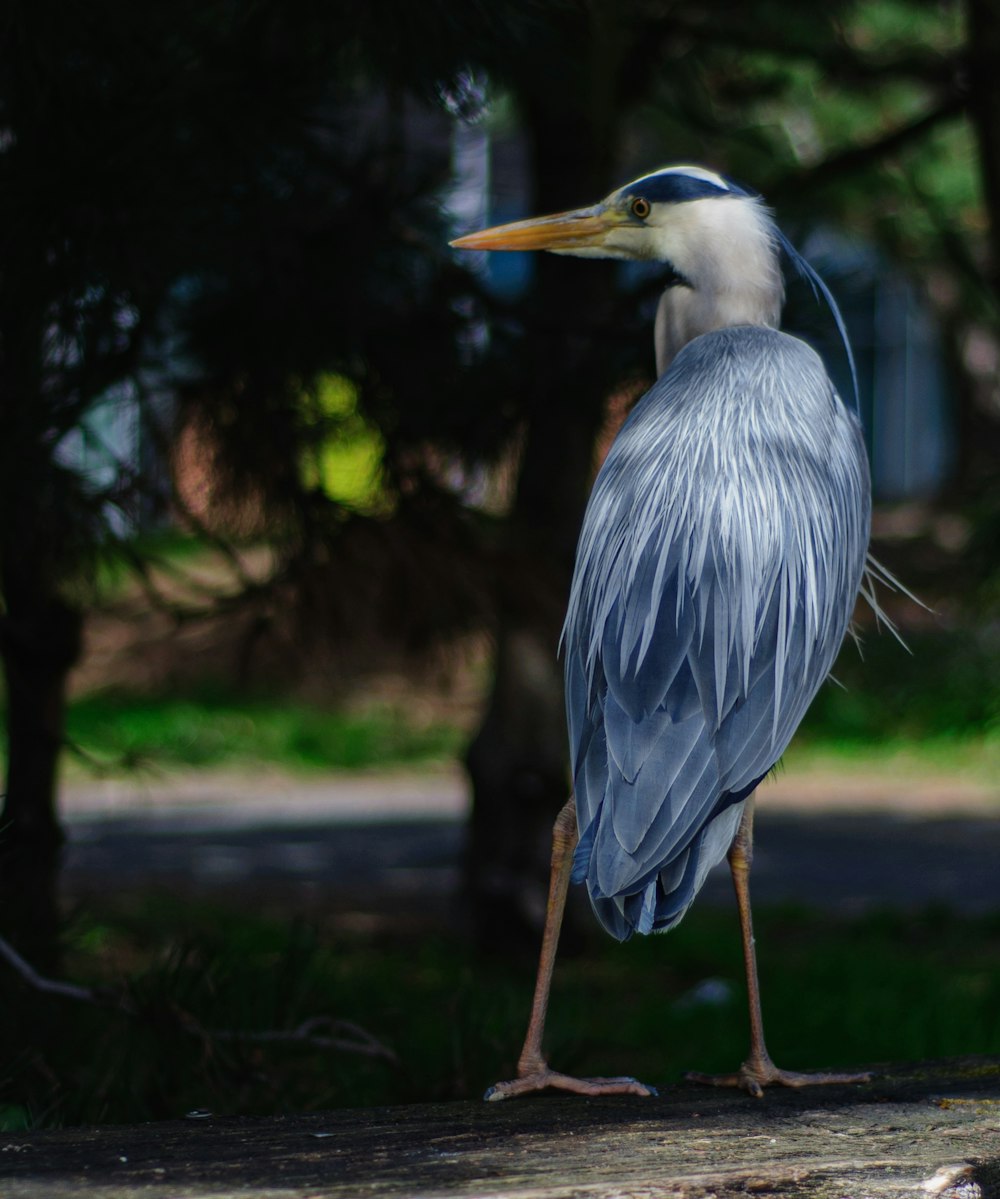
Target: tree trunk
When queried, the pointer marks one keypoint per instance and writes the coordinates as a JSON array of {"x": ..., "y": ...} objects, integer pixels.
[
  {"x": 979, "y": 430},
  {"x": 517, "y": 761},
  {"x": 40, "y": 631},
  {"x": 984, "y": 109},
  {"x": 39, "y": 643}
]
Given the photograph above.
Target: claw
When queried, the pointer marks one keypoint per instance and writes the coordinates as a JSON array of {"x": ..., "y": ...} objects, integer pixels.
[
  {"x": 539, "y": 1080},
  {"x": 754, "y": 1075}
]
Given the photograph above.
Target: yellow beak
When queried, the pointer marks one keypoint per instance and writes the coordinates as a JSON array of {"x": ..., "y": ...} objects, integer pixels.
[{"x": 563, "y": 231}]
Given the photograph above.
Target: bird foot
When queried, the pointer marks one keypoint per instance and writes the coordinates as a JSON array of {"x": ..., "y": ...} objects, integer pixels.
[
  {"x": 757, "y": 1073},
  {"x": 539, "y": 1079}
]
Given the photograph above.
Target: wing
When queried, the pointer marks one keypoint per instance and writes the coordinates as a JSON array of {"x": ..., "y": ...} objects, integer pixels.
[{"x": 717, "y": 569}]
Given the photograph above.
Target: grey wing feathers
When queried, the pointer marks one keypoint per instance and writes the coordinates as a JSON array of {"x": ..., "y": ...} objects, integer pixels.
[{"x": 717, "y": 570}]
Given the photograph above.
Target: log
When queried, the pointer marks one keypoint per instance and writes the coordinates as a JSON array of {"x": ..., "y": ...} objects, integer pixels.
[{"x": 931, "y": 1129}]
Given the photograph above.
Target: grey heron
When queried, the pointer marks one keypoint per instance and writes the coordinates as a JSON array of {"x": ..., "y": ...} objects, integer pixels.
[{"x": 720, "y": 557}]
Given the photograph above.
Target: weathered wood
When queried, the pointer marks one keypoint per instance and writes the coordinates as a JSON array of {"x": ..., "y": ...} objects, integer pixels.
[{"x": 932, "y": 1129}]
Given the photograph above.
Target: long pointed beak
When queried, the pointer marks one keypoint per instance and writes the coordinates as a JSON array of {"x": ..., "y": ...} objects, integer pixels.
[{"x": 564, "y": 231}]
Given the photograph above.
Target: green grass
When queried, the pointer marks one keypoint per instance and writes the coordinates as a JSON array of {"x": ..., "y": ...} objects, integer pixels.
[
  {"x": 123, "y": 731},
  {"x": 935, "y": 708},
  {"x": 836, "y": 993},
  {"x": 974, "y": 758}
]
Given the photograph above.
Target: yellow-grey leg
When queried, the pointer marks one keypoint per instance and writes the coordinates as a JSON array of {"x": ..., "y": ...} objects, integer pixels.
[
  {"x": 533, "y": 1073},
  {"x": 758, "y": 1071}
]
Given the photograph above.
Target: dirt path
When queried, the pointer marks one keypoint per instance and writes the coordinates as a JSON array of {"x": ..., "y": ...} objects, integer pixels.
[{"x": 843, "y": 841}]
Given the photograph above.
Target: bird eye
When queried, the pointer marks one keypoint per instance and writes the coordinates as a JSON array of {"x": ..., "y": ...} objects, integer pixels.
[{"x": 640, "y": 207}]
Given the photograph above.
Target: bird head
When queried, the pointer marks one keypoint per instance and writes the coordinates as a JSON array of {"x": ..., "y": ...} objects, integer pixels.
[
  {"x": 683, "y": 216},
  {"x": 718, "y": 242}
]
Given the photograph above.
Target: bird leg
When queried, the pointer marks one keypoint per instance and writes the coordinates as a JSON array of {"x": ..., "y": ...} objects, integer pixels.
[
  {"x": 533, "y": 1073},
  {"x": 758, "y": 1071}
]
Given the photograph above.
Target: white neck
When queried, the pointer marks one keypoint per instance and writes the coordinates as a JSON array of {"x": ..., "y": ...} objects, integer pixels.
[{"x": 728, "y": 254}]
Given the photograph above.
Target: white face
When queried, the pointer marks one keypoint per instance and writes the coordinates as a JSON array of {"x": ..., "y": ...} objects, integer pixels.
[
  {"x": 719, "y": 242},
  {"x": 666, "y": 217},
  {"x": 686, "y": 216}
]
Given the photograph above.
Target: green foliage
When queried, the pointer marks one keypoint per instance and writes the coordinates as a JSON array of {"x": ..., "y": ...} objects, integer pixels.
[
  {"x": 13, "y": 1117},
  {"x": 220, "y": 730},
  {"x": 947, "y": 686},
  {"x": 346, "y": 464},
  {"x": 836, "y": 993},
  {"x": 808, "y": 107}
]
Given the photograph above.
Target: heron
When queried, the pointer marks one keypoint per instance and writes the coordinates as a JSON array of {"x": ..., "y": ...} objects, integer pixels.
[{"x": 720, "y": 556}]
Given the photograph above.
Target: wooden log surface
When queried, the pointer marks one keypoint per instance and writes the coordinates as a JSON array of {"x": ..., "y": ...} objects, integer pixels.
[{"x": 924, "y": 1130}]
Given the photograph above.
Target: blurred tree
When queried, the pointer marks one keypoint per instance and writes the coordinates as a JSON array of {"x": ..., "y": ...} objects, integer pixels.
[{"x": 186, "y": 193}]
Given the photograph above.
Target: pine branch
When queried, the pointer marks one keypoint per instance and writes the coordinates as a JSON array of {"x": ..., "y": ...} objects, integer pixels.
[
  {"x": 48, "y": 986},
  {"x": 344, "y": 1036},
  {"x": 855, "y": 159},
  {"x": 835, "y": 58}
]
